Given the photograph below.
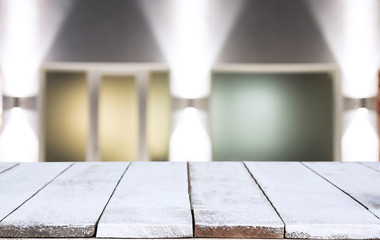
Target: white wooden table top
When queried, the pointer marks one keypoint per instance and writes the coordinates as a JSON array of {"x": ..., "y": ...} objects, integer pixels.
[{"x": 276, "y": 200}]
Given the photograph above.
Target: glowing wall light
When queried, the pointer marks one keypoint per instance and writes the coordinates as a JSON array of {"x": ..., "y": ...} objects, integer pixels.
[
  {"x": 18, "y": 141},
  {"x": 190, "y": 36},
  {"x": 27, "y": 29},
  {"x": 360, "y": 142},
  {"x": 190, "y": 141},
  {"x": 350, "y": 28}
]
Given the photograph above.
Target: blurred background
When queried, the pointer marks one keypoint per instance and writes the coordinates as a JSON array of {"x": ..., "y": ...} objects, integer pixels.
[{"x": 180, "y": 80}]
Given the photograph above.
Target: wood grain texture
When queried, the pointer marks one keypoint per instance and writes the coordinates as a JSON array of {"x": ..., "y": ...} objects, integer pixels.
[
  {"x": 20, "y": 183},
  {"x": 151, "y": 201},
  {"x": 360, "y": 182},
  {"x": 228, "y": 203},
  {"x": 310, "y": 206},
  {"x": 69, "y": 206},
  {"x": 4, "y": 166}
]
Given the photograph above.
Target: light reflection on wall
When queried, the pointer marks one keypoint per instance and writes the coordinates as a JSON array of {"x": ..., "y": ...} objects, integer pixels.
[
  {"x": 19, "y": 48},
  {"x": 18, "y": 142},
  {"x": 351, "y": 28},
  {"x": 27, "y": 31},
  {"x": 190, "y": 34},
  {"x": 190, "y": 141},
  {"x": 360, "y": 60},
  {"x": 187, "y": 34},
  {"x": 360, "y": 141}
]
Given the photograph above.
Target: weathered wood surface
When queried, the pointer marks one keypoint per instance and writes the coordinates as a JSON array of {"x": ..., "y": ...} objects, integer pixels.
[
  {"x": 310, "y": 206},
  {"x": 373, "y": 165},
  {"x": 360, "y": 182},
  {"x": 151, "y": 201},
  {"x": 228, "y": 203},
  {"x": 96, "y": 238},
  {"x": 20, "y": 183},
  {"x": 69, "y": 206},
  {"x": 4, "y": 166}
]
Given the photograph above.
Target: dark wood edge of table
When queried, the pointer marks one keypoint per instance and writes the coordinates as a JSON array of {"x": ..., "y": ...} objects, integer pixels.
[{"x": 94, "y": 238}]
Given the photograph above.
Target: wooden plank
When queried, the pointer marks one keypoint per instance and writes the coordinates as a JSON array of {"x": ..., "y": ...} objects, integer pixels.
[
  {"x": 20, "y": 183},
  {"x": 228, "y": 203},
  {"x": 95, "y": 238},
  {"x": 357, "y": 180},
  {"x": 151, "y": 201},
  {"x": 69, "y": 206},
  {"x": 310, "y": 206},
  {"x": 373, "y": 165},
  {"x": 4, "y": 166}
]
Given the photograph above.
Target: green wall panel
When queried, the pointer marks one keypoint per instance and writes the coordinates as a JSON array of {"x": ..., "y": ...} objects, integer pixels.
[{"x": 272, "y": 117}]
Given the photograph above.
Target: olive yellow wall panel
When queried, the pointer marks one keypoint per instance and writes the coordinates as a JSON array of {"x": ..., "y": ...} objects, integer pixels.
[
  {"x": 118, "y": 118},
  {"x": 158, "y": 116},
  {"x": 66, "y": 116}
]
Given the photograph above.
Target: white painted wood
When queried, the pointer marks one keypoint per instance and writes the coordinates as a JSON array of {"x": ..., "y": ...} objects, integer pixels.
[
  {"x": 94, "y": 238},
  {"x": 310, "y": 206},
  {"x": 21, "y": 182},
  {"x": 151, "y": 201},
  {"x": 228, "y": 203},
  {"x": 4, "y": 166},
  {"x": 360, "y": 182},
  {"x": 373, "y": 165},
  {"x": 69, "y": 206}
]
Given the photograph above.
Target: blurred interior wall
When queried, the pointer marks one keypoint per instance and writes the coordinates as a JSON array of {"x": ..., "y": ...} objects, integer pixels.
[{"x": 268, "y": 31}]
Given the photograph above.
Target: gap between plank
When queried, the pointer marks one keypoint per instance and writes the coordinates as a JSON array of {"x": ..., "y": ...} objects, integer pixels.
[
  {"x": 368, "y": 166},
  {"x": 189, "y": 192},
  {"x": 9, "y": 168},
  {"x": 109, "y": 199},
  {"x": 262, "y": 190},
  {"x": 37, "y": 192},
  {"x": 340, "y": 189}
]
